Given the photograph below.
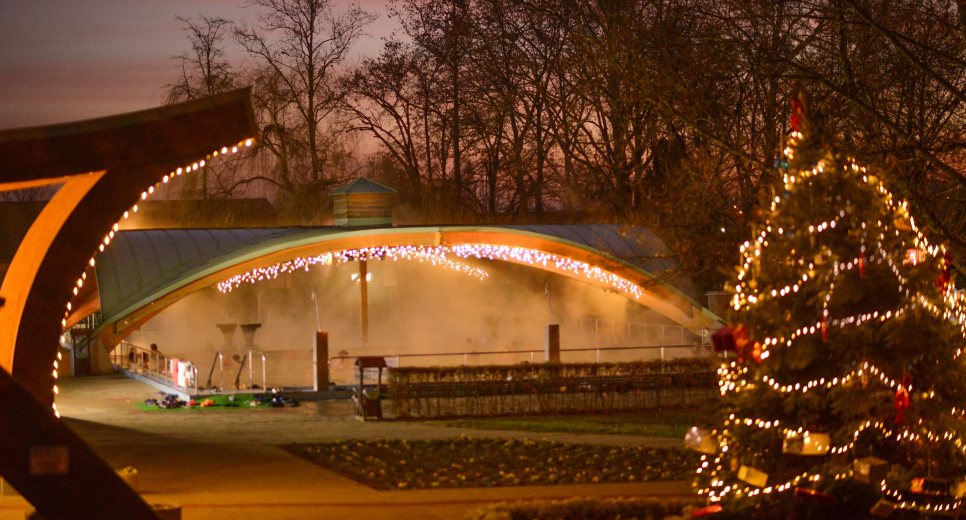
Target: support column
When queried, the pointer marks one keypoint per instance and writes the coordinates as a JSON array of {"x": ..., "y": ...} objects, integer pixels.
[
  {"x": 364, "y": 301},
  {"x": 320, "y": 360},
  {"x": 551, "y": 349}
]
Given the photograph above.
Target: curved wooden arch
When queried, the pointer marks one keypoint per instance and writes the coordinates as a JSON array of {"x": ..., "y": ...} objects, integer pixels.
[
  {"x": 105, "y": 165},
  {"x": 667, "y": 301}
]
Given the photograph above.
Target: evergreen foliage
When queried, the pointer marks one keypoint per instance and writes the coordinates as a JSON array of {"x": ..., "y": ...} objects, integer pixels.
[{"x": 843, "y": 299}]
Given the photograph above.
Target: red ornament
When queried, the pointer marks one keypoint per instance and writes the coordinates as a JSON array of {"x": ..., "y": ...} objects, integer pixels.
[
  {"x": 730, "y": 338},
  {"x": 861, "y": 267},
  {"x": 943, "y": 281},
  {"x": 749, "y": 351},
  {"x": 796, "y": 114},
  {"x": 815, "y": 497},
  {"x": 902, "y": 398},
  {"x": 735, "y": 338},
  {"x": 705, "y": 511},
  {"x": 824, "y": 330}
]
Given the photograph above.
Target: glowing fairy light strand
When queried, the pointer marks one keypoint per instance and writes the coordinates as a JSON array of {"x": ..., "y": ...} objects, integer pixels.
[
  {"x": 434, "y": 255},
  {"x": 733, "y": 377},
  {"x": 437, "y": 256},
  {"x": 561, "y": 263},
  {"x": 114, "y": 229}
]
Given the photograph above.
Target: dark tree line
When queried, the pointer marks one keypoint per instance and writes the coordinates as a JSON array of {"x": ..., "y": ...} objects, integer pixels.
[{"x": 663, "y": 113}]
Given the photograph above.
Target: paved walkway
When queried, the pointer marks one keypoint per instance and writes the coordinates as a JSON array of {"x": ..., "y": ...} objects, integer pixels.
[{"x": 224, "y": 463}]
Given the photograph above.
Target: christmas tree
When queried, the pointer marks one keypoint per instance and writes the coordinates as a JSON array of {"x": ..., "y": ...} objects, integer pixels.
[{"x": 848, "y": 366}]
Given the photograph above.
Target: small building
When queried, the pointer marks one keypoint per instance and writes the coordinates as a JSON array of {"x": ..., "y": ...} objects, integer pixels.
[{"x": 362, "y": 203}]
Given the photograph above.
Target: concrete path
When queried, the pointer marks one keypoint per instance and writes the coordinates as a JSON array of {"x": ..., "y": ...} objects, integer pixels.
[{"x": 225, "y": 463}]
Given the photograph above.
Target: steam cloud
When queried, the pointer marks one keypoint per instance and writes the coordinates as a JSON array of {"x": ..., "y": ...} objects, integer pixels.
[{"x": 414, "y": 308}]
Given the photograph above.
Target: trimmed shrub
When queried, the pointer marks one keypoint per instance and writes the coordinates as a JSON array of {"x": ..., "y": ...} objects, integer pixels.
[
  {"x": 475, "y": 462},
  {"x": 549, "y": 388},
  {"x": 590, "y": 508}
]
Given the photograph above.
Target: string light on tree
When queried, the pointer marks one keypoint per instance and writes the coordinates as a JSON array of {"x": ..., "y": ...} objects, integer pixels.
[{"x": 852, "y": 308}]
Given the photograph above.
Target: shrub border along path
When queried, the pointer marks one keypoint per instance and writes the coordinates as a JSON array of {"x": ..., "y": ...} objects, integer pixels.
[
  {"x": 549, "y": 388},
  {"x": 668, "y": 423},
  {"x": 585, "y": 508},
  {"x": 473, "y": 462}
]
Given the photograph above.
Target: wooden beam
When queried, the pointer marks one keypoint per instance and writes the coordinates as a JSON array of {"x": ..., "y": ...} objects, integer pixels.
[
  {"x": 128, "y": 154},
  {"x": 53, "y": 468}
]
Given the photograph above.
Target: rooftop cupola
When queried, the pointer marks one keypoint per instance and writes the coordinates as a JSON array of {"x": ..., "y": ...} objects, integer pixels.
[{"x": 362, "y": 203}]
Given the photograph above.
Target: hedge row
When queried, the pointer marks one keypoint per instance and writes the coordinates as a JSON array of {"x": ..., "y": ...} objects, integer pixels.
[
  {"x": 411, "y": 375},
  {"x": 587, "y": 509},
  {"x": 552, "y": 388}
]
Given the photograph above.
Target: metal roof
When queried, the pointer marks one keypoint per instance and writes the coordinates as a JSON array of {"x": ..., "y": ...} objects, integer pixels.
[
  {"x": 139, "y": 263},
  {"x": 634, "y": 245},
  {"x": 140, "y": 266}
]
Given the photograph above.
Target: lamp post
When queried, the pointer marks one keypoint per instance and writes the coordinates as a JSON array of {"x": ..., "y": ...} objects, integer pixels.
[
  {"x": 363, "y": 278},
  {"x": 363, "y": 300}
]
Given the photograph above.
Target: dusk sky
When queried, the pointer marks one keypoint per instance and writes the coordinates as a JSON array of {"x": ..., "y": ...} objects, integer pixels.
[{"x": 70, "y": 60}]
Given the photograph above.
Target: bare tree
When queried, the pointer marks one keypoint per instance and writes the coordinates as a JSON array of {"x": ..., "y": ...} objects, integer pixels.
[
  {"x": 302, "y": 43},
  {"x": 30, "y": 194},
  {"x": 204, "y": 69}
]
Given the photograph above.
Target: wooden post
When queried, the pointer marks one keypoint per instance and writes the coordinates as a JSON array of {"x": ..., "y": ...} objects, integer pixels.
[
  {"x": 364, "y": 301},
  {"x": 551, "y": 348},
  {"x": 320, "y": 360}
]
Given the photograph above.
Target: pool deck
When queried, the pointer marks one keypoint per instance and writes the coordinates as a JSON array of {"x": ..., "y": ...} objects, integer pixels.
[{"x": 225, "y": 464}]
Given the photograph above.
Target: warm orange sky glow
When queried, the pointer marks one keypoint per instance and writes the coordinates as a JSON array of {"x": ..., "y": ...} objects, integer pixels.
[{"x": 64, "y": 61}]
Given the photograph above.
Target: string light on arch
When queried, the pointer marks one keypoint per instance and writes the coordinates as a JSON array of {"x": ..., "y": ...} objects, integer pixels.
[
  {"x": 437, "y": 255},
  {"x": 116, "y": 226},
  {"x": 433, "y": 255}
]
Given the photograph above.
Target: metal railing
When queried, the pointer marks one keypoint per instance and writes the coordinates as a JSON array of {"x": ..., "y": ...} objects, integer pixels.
[
  {"x": 466, "y": 355},
  {"x": 251, "y": 374},
  {"x": 153, "y": 365},
  {"x": 220, "y": 361}
]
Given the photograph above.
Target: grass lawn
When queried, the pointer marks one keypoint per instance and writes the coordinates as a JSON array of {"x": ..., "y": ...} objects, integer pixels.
[
  {"x": 221, "y": 403},
  {"x": 654, "y": 423},
  {"x": 469, "y": 462}
]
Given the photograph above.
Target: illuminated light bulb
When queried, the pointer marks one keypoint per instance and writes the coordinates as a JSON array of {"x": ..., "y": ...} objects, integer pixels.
[
  {"x": 92, "y": 262},
  {"x": 135, "y": 208},
  {"x": 224, "y": 149},
  {"x": 165, "y": 179},
  {"x": 234, "y": 149},
  {"x": 56, "y": 390},
  {"x": 179, "y": 170},
  {"x": 202, "y": 163},
  {"x": 144, "y": 195},
  {"x": 248, "y": 142}
]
